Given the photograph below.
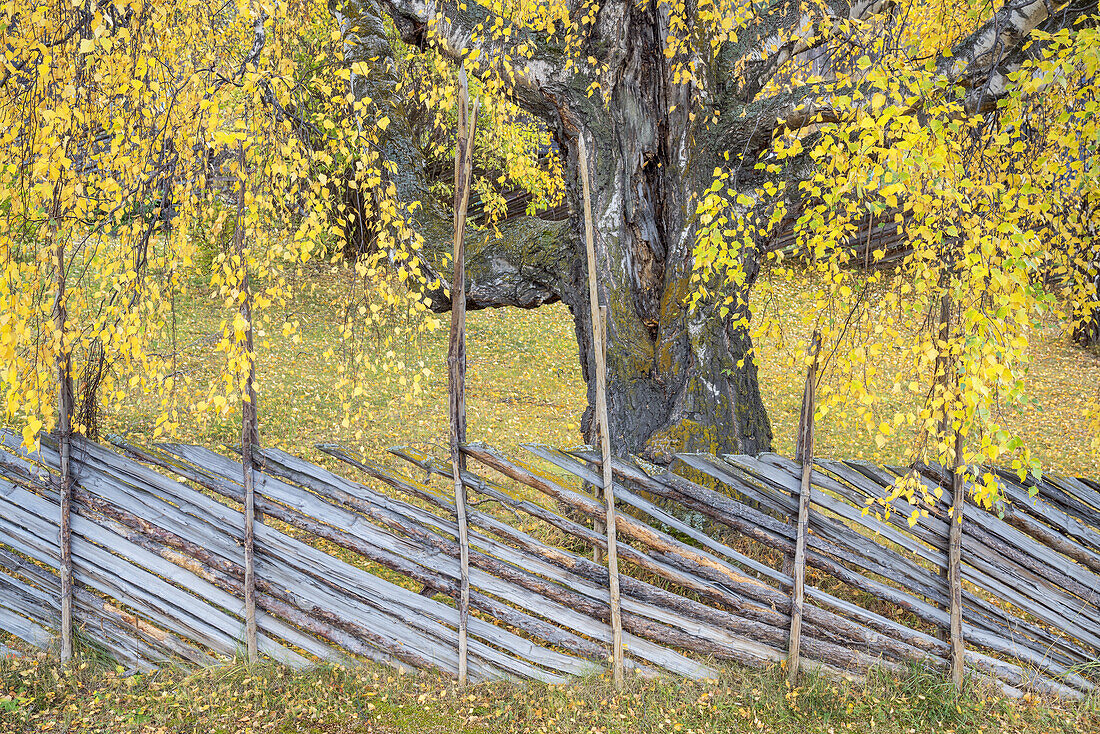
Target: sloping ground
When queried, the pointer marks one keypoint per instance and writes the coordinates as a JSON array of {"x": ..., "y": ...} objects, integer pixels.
[{"x": 348, "y": 570}]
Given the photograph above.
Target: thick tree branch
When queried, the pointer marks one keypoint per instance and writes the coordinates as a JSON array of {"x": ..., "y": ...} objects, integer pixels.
[
  {"x": 982, "y": 61},
  {"x": 778, "y": 38},
  {"x": 456, "y": 28},
  {"x": 997, "y": 37},
  {"x": 990, "y": 84},
  {"x": 524, "y": 267}
]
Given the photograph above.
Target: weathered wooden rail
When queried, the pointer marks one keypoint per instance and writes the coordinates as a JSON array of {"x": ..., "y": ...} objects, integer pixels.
[{"x": 349, "y": 569}]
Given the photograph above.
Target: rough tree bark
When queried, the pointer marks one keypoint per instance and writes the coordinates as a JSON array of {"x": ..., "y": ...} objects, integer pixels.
[{"x": 678, "y": 380}]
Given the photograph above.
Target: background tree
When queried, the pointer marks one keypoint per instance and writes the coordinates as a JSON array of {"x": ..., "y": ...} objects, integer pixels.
[
  {"x": 717, "y": 131},
  {"x": 680, "y": 104}
]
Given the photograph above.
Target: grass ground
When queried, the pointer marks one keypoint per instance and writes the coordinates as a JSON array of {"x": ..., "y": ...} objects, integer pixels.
[
  {"x": 524, "y": 384},
  {"x": 523, "y": 380},
  {"x": 35, "y": 697}
]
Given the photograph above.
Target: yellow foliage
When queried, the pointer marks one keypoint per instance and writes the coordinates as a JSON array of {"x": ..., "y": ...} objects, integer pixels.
[{"x": 997, "y": 211}]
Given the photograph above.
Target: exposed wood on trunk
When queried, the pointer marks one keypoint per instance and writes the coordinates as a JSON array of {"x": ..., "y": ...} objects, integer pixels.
[
  {"x": 805, "y": 450},
  {"x": 456, "y": 352}
]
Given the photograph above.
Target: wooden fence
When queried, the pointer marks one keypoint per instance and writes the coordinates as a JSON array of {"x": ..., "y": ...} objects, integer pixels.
[{"x": 351, "y": 569}]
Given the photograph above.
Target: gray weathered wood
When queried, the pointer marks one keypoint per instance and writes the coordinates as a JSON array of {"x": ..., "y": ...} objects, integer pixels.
[
  {"x": 65, "y": 432},
  {"x": 1085, "y": 540},
  {"x": 746, "y": 519},
  {"x": 193, "y": 614},
  {"x": 706, "y": 574},
  {"x": 121, "y": 635},
  {"x": 984, "y": 566},
  {"x": 806, "y": 458},
  {"x": 557, "y": 600},
  {"x": 456, "y": 351},
  {"x": 1012, "y": 673},
  {"x": 934, "y": 531},
  {"x": 417, "y": 604},
  {"x": 599, "y": 349},
  {"x": 250, "y": 430},
  {"x": 31, "y": 632},
  {"x": 954, "y": 566},
  {"x": 515, "y": 572}
]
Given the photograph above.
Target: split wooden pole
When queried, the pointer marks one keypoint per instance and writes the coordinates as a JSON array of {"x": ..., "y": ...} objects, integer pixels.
[
  {"x": 805, "y": 455},
  {"x": 953, "y": 571},
  {"x": 599, "y": 349},
  {"x": 250, "y": 430},
  {"x": 954, "y": 564},
  {"x": 456, "y": 357},
  {"x": 65, "y": 432}
]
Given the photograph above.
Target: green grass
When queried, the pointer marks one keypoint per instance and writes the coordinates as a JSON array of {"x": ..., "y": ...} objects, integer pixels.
[{"x": 36, "y": 696}]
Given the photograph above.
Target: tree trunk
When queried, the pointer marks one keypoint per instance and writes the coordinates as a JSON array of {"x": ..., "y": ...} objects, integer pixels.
[{"x": 678, "y": 380}]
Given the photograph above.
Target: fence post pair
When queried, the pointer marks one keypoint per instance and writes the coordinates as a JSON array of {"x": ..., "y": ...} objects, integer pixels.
[
  {"x": 456, "y": 363},
  {"x": 249, "y": 437},
  {"x": 804, "y": 453},
  {"x": 953, "y": 571}
]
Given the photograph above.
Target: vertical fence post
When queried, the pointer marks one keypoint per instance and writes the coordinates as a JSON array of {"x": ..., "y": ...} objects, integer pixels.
[
  {"x": 953, "y": 572},
  {"x": 456, "y": 356},
  {"x": 945, "y": 427},
  {"x": 65, "y": 432},
  {"x": 609, "y": 497},
  {"x": 250, "y": 430},
  {"x": 954, "y": 564},
  {"x": 599, "y": 349},
  {"x": 805, "y": 454}
]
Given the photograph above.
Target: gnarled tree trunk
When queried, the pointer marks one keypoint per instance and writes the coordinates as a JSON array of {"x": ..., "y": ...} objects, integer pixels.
[{"x": 678, "y": 380}]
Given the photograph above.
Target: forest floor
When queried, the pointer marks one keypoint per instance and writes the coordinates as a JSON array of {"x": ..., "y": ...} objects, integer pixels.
[{"x": 523, "y": 385}]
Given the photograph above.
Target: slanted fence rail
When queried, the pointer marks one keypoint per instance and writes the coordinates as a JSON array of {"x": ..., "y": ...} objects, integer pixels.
[{"x": 347, "y": 569}]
